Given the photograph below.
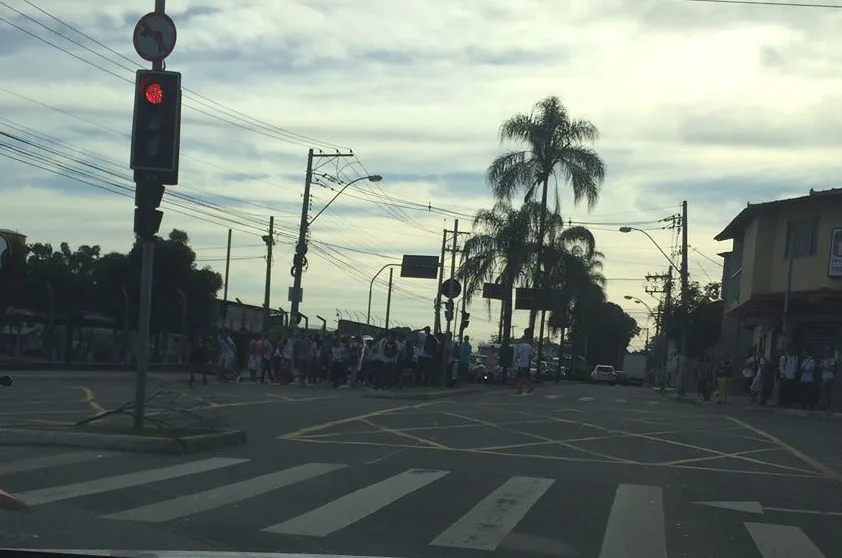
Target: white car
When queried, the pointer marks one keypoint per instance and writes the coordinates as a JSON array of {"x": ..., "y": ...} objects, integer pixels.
[{"x": 604, "y": 374}]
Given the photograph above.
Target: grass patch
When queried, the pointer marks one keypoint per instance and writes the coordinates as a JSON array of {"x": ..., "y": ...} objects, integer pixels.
[{"x": 125, "y": 430}]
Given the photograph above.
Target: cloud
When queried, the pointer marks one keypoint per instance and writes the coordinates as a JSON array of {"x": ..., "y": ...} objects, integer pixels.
[{"x": 715, "y": 104}]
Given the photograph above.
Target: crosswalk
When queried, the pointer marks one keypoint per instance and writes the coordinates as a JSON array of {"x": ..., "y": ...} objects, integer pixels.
[
  {"x": 487, "y": 512},
  {"x": 587, "y": 399}
]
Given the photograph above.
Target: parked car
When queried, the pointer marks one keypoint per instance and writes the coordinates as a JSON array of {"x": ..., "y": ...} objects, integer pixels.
[{"x": 604, "y": 374}]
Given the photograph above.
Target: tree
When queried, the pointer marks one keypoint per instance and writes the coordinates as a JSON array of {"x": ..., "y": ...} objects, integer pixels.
[
  {"x": 704, "y": 315},
  {"x": 551, "y": 145},
  {"x": 65, "y": 285},
  {"x": 500, "y": 252},
  {"x": 608, "y": 330}
]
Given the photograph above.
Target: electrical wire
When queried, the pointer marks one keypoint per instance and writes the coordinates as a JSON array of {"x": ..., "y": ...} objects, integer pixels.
[{"x": 257, "y": 125}]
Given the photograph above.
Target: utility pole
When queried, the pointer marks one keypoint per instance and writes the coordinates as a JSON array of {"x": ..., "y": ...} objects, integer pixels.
[
  {"x": 389, "y": 297},
  {"x": 685, "y": 301},
  {"x": 269, "y": 239},
  {"x": 453, "y": 251},
  {"x": 224, "y": 309},
  {"x": 437, "y": 304},
  {"x": 227, "y": 268},
  {"x": 299, "y": 261},
  {"x": 663, "y": 286}
]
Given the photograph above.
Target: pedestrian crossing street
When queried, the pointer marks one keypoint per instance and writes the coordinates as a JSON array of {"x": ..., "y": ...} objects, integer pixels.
[{"x": 470, "y": 512}]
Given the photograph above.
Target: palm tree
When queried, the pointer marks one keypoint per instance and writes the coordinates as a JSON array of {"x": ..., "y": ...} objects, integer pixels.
[
  {"x": 552, "y": 146},
  {"x": 501, "y": 251}
]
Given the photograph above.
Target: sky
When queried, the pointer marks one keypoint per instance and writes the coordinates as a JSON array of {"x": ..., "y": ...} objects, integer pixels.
[{"x": 714, "y": 103}]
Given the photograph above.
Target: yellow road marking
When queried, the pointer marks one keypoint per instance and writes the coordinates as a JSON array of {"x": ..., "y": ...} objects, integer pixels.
[
  {"x": 426, "y": 428},
  {"x": 818, "y": 466},
  {"x": 680, "y": 444},
  {"x": 551, "y": 457},
  {"x": 90, "y": 399},
  {"x": 712, "y": 457},
  {"x": 405, "y": 435},
  {"x": 316, "y": 427},
  {"x": 547, "y": 439}
]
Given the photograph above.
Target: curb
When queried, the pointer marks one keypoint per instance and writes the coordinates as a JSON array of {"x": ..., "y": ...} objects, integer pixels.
[
  {"x": 421, "y": 396},
  {"x": 123, "y": 442}
]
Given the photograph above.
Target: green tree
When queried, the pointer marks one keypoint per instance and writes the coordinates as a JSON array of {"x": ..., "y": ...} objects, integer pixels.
[
  {"x": 704, "y": 315},
  {"x": 551, "y": 146}
]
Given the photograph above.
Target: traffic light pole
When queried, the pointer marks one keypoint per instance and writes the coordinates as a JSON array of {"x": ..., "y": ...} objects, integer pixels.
[{"x": 145, "y": 306}]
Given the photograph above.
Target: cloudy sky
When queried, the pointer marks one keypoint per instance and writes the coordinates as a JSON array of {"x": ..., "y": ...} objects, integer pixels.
[{"x": 714, "y": 103}]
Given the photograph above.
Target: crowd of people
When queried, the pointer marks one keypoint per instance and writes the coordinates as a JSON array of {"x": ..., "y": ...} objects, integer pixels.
[
  {"x": 787, "y": 380},
  {"x": 419, "y": 358}
]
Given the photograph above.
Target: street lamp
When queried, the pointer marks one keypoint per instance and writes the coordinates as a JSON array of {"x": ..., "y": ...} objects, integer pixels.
[
  {"x": 683, "y": 274},
  {"x": 299, "y": 260},
  {"x": 658, "y": 246},
  {"x": 638, "y": 301},
  {"x": 370, "y": 178},
  {"x": 389, "y": 295}
]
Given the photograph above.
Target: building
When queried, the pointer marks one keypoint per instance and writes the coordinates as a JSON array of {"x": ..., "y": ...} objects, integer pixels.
[{"x": 782, "y": 279}]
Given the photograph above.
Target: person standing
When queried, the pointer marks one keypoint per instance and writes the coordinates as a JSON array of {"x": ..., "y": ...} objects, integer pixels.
[
  {"x": 807, "y": 389},
  {"x": 723, "y": 375},
  {"x": 465, "y": 351},
  {"x": 827, "y": 367},
  {"x": 524, "y": 359}
]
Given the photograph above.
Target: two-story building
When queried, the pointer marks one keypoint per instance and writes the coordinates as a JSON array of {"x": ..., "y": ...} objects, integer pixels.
[{"x": 782, "y": 279}]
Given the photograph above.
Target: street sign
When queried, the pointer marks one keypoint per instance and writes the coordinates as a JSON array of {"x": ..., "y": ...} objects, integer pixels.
[
  {"x": 451, "y": 288},
  {"x": 495, "y": 291},
  {"x": 154, "y": 36},
  {"x": 420, "y": 267},
  {"x": 536, "y": 299}
]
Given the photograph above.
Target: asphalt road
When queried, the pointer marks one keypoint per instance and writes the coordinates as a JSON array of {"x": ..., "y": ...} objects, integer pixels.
[{"x": 568, "y": 471}]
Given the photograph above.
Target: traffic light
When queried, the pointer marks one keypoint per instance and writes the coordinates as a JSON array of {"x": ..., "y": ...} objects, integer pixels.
[
  {"x": 157, "y": 124},
  {"x": 147, "y": 218},
  {"x": 466, "y": 320},
  {"x": 448, "y": 310}
]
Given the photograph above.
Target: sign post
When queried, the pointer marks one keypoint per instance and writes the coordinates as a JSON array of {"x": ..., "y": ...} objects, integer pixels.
[{"x": 154, "y": 40}]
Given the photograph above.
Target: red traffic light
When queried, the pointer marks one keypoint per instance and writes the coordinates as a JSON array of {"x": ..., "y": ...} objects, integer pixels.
[{"x": 154, "y": 93}]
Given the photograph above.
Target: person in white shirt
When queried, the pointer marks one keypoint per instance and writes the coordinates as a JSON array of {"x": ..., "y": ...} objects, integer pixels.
[
  {"x": 827, "y": 366},
  {"x": 808, "y": 389},
  {"x": 787, "y": 367},
  {"x": 523, "y": 354}
]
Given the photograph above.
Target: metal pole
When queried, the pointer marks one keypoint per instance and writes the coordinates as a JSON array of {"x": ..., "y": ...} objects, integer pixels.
[
  {"x": 270, "y": 241},
  {"x": 144, "y": 318},
  {"x": 452, "y": 292},
  {"x": 685, "y": 301},
  {"x": 445, "y": 354},
  {"x": 301, "y": 246},
  {"x": 437, "y": 319},
  {"x": 787, "y": 293},
  {"x": 461, "y": 318},
  {"x": 227, "y": 268},
  {"x": 371, "y": 288},
  {"x": 389, "y": 297},
  {"x": 145, "y": 305}
]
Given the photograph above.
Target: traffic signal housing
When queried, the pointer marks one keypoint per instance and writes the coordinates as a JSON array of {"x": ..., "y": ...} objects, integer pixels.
[
  {"x": 148, "y": 195},
  {"x": 466, "y": 321},
  {"x": 156, "y": 125}
]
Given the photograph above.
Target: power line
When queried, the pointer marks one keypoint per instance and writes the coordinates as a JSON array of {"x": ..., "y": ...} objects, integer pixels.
[
  {"x": 257, "y": 126},
  {"x": 765, "y": 3}
]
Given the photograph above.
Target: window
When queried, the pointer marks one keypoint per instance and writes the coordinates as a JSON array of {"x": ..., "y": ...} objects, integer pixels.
[{"x": 802, "y": 237}]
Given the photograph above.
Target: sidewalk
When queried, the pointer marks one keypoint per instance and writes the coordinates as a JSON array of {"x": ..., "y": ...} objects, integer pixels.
[{"x": 744, "y": 403}]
